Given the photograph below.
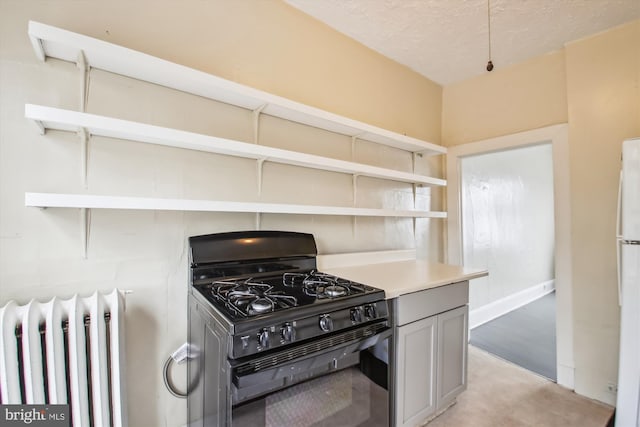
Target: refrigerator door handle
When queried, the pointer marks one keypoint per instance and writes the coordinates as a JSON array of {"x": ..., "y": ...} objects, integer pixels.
[
  {"x": 619, "y": 244},
  {"x": 619, "y": 210},
  {"x": 619, "y": 239}
]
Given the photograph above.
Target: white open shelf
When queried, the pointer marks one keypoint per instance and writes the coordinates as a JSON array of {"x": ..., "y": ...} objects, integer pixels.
[
  {"x": 88, "y": 52},
  {"x": 54, "y": 42},
  {"x": 88, "y": 201},
  {"x": 66, "y": 120}
]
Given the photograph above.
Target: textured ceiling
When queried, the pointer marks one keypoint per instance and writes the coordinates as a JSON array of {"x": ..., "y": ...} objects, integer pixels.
[{"x": 447, "y": 40}]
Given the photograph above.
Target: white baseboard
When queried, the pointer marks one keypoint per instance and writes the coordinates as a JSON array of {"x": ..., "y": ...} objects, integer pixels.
[
  {"x": 566, "y": 376},
  {"x": 502, "y": 306}
]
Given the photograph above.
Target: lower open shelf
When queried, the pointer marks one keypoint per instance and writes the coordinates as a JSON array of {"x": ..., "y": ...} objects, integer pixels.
[{"x": 89, "y": 201}]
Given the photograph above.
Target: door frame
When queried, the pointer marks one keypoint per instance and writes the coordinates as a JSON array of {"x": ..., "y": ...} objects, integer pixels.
[{"x": 558, "y": 136}]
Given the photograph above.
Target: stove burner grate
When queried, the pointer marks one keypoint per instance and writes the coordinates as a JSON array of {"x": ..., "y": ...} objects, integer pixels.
[
  {"x": 249, "y": 298},
  {"x": 253, "y": 296},
  {"x": 322, "y": 285}
]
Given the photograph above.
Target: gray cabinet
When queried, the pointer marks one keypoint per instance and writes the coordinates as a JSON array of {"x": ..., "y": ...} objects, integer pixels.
[
  {"x": 452, "y": 355},
  {"x": 416, "y": 371},
  {"x": 430, "y": 352}
]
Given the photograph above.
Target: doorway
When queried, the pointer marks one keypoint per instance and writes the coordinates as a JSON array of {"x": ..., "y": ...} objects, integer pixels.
[
  {"x": 508, "y": 228},
  {"x": 556, "y": 265}
]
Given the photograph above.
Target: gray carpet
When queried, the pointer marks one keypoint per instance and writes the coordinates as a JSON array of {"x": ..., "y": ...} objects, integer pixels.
[{"x": 525, "y": 336}]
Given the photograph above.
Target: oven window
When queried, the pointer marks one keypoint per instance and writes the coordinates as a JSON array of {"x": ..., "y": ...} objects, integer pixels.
[{"x": 348, "y": 397}]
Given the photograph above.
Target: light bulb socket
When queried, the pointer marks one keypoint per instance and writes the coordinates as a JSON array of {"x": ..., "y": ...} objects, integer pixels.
[{"x": 489, "y": 66}]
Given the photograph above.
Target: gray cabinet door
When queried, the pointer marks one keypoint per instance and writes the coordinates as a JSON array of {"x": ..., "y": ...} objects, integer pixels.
[
  {"x": 416, "y": 372},
  {"x": 452, "y": 355}
]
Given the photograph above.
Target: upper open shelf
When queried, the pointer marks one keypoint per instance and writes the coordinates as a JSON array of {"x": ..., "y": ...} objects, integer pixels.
[
  {"x": 67, "y": 120},
  {"x": 49, "y": 41}
]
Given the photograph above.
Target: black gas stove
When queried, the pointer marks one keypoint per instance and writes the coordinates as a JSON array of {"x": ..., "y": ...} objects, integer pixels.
[
  {"x": 264, "y": 286},
  {"x": 262, "y": 318}
]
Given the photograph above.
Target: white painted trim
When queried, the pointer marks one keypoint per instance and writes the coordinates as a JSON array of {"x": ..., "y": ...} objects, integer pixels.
[
  {"x": 52, "y": 42},
  {"x": 364, "y": 258},
  {"x": 564, "y": 271},
  {"x": 548, "y": 134},
  {"x": 565, "y": 376},
  {"x": 481, "y": 315},
  {"x": 558, "y": 136}
]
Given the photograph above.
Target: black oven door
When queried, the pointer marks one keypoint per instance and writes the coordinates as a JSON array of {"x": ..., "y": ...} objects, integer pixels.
[{"x": 340, "y": 380}]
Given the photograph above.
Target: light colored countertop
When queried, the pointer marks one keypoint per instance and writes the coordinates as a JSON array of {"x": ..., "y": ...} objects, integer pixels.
[{"x": 403, "y": 277}]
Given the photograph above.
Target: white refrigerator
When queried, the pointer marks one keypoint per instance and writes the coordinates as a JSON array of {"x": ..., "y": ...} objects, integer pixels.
[{"x": 628, "y": 236}]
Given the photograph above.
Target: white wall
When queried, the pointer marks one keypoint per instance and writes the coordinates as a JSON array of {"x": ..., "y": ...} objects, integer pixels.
[
  {"x": 507, "y": 220},
  {"x": 40, "y": 250}
]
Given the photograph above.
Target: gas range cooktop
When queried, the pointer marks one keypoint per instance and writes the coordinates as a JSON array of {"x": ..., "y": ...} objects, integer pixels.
[
  {"x": 247, "y": 297},
  {"x": 263, "y": 288}
]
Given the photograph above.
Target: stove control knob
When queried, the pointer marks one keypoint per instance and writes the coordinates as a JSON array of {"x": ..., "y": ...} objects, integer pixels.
[
  {"x": 326, "y": 324},
  {"x": 356, "y": 314},
  {"x": 263, "y": 338},
  {"x": 288, "y": 332},
  {"x": 370, "y": 311}
]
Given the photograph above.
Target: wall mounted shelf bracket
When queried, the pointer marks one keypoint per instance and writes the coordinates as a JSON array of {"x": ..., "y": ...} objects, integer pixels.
[
  {"x": 415, "y": 161},
  {"x": 259, "y": 164},
  {"x": 256, "y": 123},
  {"x": 84, "y": 67},
  {"x": 85, "y": 219},
  {"x": 84, "y": 154},
  {"x": 258, "y": 220}
]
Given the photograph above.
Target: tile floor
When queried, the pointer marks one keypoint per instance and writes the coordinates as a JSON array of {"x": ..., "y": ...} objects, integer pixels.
[{"x": 501, "y": 394}]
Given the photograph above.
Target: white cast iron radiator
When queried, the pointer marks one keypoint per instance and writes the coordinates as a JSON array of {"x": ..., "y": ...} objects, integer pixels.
[{"x": 66, "y": 352}]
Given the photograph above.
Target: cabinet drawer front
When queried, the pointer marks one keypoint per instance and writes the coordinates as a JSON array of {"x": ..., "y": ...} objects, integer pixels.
[{"x": 418, "y": 305}]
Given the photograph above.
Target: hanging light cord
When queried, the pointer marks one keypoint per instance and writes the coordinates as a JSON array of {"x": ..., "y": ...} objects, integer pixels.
[{"x": 489, "y": 64}]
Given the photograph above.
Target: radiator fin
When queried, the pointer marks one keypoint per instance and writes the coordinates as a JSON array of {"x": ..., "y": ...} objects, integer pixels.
[{"x": 66, "y": 351}]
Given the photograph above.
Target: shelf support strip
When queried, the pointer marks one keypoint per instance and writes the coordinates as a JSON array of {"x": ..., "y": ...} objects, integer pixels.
[
  {"x": 355, "y": 189},
  {"x": 258, "y": 220},
  {"x": 85, "y": 219},
  {"x": 259, "y": 164},
  {"x": 256, "y": 123},
  {"x": 414, "y": 158},
  {"x": 354, "y": 138},
  {"x": 84, "y": 154},
  {"x": 354, "y": 220},
  {"x": 84, "y": 67}
]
